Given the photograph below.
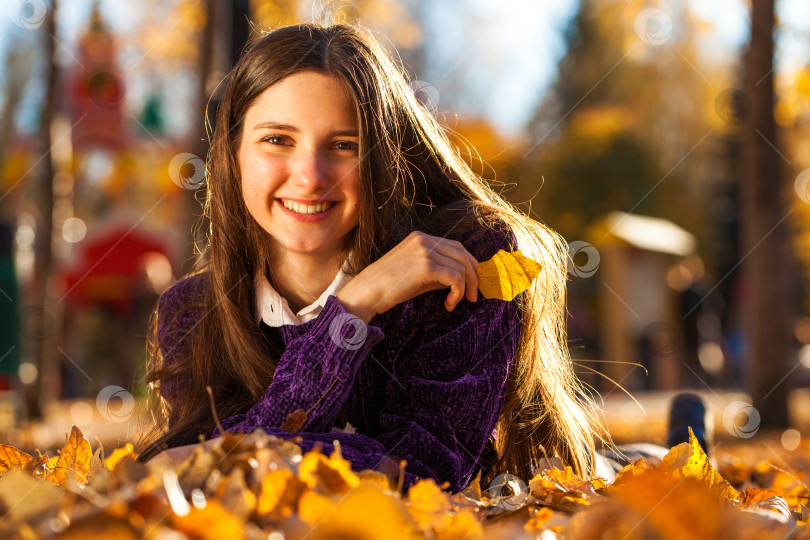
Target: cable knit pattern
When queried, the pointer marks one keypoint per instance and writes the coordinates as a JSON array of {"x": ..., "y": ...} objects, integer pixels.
[{"x": 426, "y": 388}]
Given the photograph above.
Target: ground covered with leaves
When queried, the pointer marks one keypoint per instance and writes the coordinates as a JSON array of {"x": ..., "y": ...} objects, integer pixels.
[{"x": 259, "y": 486}]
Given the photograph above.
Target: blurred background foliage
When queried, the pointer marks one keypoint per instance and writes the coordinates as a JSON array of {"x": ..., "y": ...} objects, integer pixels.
[{"x": 627, "y": 126}]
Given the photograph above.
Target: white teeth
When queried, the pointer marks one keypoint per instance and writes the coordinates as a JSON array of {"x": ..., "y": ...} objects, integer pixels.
[{"x": 304, "y": 209}]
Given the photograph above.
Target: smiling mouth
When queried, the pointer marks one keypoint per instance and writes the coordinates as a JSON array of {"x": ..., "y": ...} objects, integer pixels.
[{"x": 307, "y": 209}]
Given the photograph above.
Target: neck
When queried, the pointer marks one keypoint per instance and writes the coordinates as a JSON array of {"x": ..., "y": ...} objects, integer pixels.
[{"x": 302, "y": 278}]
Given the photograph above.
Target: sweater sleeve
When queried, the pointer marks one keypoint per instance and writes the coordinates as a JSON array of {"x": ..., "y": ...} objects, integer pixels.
[
  {"x": 178, "y": 315},
  {"x": 442, "y": 403},
  {"x": 315, "y": 373},
  {"x": 448, "y": 385}
]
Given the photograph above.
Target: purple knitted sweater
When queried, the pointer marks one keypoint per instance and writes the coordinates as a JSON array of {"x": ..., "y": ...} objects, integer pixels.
[{"x": 422, "y": 384}]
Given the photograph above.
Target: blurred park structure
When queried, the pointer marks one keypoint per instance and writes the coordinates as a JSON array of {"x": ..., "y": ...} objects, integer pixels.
[{"x": 678, "y": 171}]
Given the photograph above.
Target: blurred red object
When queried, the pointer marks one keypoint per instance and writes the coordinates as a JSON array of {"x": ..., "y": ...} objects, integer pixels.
[{"x": 111, "y": 267}]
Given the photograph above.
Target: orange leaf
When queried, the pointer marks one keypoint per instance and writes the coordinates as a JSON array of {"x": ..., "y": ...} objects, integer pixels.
[
  {"x": 689, "y": 459},
  {"x": 74, "y": 460},
  {"x": 313, "y": 507},
  {"x": 330, "y": 475},
  {"x": 428, "y": 504},
  {"x": 668, "y": 508},
  {"x": 119, "y": 455},
  {"x": 460, "y": 526},
  {"x": 211, "y": 521},
  {"x": 11, "y": 459},
  {"x": 279, "y": 493},
  {"x": 366, "y": 511}
]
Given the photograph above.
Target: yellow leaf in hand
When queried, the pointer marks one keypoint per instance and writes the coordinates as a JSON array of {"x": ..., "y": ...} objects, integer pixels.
[
  {"x": 506, "y": 275},
  {"x": 689, "y": 459}
]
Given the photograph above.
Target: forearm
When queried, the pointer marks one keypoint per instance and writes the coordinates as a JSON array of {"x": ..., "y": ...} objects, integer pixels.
[{"x": 314, "y": 374}]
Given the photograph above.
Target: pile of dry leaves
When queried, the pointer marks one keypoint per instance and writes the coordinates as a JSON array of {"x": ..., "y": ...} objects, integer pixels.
[{"x": 259, "y": 486}]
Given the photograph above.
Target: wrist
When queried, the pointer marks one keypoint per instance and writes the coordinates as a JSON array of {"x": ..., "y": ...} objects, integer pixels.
[{"x": 355, "y": 303}]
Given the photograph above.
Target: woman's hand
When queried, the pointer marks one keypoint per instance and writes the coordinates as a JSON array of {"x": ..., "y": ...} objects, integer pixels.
[{"x": 418, "y": 264}]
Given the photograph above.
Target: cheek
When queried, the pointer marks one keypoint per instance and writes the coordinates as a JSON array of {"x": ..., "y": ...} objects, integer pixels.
[{"x": 260, "y": 175}]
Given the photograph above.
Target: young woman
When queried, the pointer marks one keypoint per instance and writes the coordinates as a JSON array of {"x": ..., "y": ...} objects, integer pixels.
[{"x": 340, "y": 214}]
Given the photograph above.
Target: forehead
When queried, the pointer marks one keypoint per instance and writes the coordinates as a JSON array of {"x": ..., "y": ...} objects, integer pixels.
[{"x": 305, "y": 97}]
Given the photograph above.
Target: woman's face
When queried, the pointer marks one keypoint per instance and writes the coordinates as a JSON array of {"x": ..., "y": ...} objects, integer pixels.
[{"x": 300, "y": 143}]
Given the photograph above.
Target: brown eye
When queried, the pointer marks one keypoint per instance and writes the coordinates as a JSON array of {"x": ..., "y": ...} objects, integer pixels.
[
  {"x": 275, "y": 139},
  {"x": 347, "y": 145}
]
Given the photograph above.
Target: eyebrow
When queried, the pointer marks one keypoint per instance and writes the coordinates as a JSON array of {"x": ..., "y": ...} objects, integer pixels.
[{"x": 289, "y": 127}]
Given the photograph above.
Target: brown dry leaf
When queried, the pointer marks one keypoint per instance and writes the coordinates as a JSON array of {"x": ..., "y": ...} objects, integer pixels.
[
  {"x": 564, "y": 490},
  {"x": 628, "y": 471},
  {"x": 295, "y": 421},
  {"x": 689, "y": 459},
  {"x": 12, "y": 459},
  {"x": 506, "y": 274},
  {"x": 74, "y": 461},
  {"x": 571, "y": 482},
  {"x": 751, "y": 495},
  {"x": 329, "y": 475}
]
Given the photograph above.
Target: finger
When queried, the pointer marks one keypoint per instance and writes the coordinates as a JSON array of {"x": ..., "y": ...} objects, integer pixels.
[
  {"x": 449, "y": 272},
  {"x": 457, "y": 252}
]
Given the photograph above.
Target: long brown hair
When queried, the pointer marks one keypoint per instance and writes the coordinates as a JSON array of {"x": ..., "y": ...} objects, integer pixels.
[{"x": 408, "y": 168}]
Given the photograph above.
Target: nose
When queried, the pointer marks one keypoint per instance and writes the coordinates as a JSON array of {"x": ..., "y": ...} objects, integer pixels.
[{"x": 309, "y": 172}]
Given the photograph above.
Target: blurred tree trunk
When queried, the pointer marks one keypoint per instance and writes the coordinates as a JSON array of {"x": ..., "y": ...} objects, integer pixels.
[
  {"x": 768, "y": 269},
  {"x": 43, "y": 262}
]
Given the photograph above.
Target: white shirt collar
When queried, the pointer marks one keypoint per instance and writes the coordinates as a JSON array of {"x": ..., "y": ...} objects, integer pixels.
[{"x": 274, "y": 310}]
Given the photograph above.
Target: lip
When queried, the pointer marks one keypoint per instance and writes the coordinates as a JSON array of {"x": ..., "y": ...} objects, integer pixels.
[{"x": 307, "y": 218}]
